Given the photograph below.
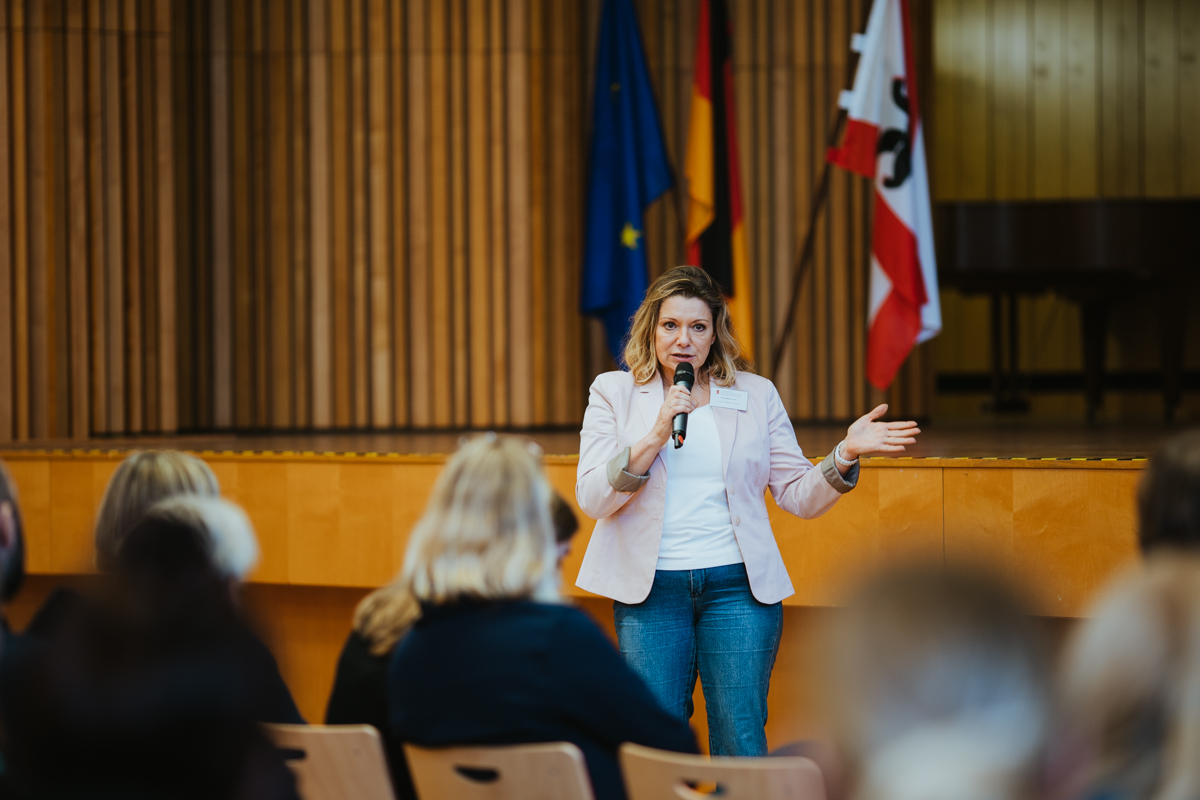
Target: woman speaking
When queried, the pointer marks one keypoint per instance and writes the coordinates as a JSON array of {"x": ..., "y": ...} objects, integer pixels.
[{"x": 683, "y": 544}]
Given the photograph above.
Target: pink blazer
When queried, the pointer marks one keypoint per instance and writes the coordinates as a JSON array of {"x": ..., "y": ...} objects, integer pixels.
[{"x": 758, "y": 449}]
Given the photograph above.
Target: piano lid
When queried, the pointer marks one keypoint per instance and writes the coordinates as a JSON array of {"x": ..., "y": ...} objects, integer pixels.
[{"x": 1140, "y": 236}]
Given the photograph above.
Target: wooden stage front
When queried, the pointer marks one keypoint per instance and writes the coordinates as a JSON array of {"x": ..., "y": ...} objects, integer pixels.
[{"x": 1051, "y": 508}]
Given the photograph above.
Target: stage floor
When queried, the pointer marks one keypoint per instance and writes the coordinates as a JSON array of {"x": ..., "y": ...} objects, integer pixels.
[{"x": 1000, "y": 439}]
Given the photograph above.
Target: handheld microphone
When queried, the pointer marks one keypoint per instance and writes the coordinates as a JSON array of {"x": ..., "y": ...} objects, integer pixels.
[{"x": 687, "y": 376}]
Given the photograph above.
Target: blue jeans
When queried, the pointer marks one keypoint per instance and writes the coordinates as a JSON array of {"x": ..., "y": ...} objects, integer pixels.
[{"x": 706, "y": 622}]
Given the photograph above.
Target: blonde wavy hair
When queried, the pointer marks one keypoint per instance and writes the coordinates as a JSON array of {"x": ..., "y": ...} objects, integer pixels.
[
  {"x": 724, "y": 358},
  {"x": 385, "y": 615},
  {"x": 142, "y": 480},
  {"x": 486, "y": 533},
  {"x": 223, "y": 526}
]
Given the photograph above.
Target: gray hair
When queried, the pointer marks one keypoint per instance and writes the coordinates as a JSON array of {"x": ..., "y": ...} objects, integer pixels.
[{"x": 224, "y": 527}]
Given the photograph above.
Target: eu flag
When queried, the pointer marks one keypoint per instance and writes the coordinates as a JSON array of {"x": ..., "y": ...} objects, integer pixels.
[{"x": 628, "y": 170}]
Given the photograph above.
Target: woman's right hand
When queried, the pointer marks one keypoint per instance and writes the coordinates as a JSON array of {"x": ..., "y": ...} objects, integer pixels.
[
  {"x": 677, "y": 401},
  {"x": 641, "y": 454}
]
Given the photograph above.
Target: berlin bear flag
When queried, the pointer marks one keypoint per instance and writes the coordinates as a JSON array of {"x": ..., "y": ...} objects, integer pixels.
[{"x": 884, "y": 140}]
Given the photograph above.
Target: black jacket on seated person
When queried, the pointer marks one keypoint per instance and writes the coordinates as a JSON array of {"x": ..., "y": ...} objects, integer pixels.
[{"x": 520, "y": 672}]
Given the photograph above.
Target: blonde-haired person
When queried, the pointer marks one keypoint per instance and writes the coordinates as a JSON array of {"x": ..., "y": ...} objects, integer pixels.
[
  {"x": 683, "y": 545},
  {"x": 1130, "y": 686},
  {"x": 143, "y": 479},
  {"x": 935, "y": 685},
  {"x": 495, "y": 657}
]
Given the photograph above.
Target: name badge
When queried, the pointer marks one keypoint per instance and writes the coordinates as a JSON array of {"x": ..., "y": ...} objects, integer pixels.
[{"x": 729, "y": 398}]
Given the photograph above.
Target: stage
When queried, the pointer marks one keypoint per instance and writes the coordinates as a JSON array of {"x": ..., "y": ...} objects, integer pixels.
[
  {"x": 999, "y": 439},
  {"x": 1050, "y": 507}
]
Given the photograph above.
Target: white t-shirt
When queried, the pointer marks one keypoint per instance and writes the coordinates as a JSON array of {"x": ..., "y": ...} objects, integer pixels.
[{"x": 697, "y": 531}]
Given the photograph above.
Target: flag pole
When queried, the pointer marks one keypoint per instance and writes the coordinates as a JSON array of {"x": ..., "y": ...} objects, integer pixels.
[{"x": 800, "y": 271}]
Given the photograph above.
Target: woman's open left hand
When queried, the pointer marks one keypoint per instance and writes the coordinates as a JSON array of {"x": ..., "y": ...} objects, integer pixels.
[{"x": 868, "y": 435}]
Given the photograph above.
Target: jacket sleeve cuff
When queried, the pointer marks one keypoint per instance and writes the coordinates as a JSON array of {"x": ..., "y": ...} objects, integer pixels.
[
  {"x": 841, "y": 483},
  {"x": 619, "y": 476}
]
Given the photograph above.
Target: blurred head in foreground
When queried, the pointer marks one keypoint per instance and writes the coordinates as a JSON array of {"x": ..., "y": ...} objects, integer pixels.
[
  {"x": 487, "y": 532},
  {"x": 936, "y": 689},
  {"x": 147, "y": 690},
  {"x": 1130, "y": 684},
  {"x": 12, "y": 539},
  {"x": 142, "y": 480},
  {"x": 1169, "y": 497}
]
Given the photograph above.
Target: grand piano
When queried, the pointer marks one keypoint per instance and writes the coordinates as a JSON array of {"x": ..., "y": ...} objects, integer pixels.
[{"x": 1092, "y": 252}]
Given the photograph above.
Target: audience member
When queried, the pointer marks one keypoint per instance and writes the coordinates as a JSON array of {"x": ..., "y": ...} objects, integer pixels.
[
  {"x": 14, "y": 647},
  {"x": 12, "y": 565},
  {"x": 145, "y": 691},
  {"x": 179, "y": 488},
  {"x": 1169, "y": 497},
  {"x": 495, "y": 658},
  {"x": 359, "y": 695},
  {"x": 228, "y": 540},
  {"x": 936, "y": 690},
  {"x": 1130, "y": 686},
  {"x": 142, "y": 479}
]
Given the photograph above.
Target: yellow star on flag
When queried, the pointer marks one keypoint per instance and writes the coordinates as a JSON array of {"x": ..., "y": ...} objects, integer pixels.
[{"x": 629, "y": 236}]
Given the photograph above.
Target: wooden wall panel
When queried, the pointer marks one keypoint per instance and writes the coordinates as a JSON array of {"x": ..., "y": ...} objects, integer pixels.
[
  {"x": 1065, "y": 99},
  {"x": 312, "y": 214},
  {"x": 87, "y": 195}
]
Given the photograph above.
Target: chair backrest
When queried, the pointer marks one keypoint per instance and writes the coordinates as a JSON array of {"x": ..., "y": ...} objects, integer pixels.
[
  {"x": 658, "y": 775},
  {"x": 335, "y": 762},
  {"x": 553, "y": 771}
]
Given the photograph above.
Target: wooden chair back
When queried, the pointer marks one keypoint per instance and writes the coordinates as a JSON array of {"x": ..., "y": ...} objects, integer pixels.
[
  {"x": 335, "y": 762},
  {"x": 658, "y": 775},
  {"x": 552, "y": 771}
]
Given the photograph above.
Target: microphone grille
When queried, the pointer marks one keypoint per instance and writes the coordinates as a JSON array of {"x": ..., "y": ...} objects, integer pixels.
[{"x": 685, "y": 374}]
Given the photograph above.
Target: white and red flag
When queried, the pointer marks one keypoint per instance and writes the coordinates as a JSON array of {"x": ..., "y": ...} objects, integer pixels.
[{"x": 884, "y": 140}]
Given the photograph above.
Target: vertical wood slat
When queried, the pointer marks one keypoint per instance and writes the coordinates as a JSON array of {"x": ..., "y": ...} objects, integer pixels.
[
  {"x": 40, "y": 151},
  {"x": 342, "y": 332},
  {"x": 379, "y": 125},
  {"x": 518, "y": 233},
  {"x": 497, "y": 157},
  {"x": 77, "y": 200},
  {"x": 165, "y": 203},
  {"x": 358, "y": 102},
  {"x": 538, "y": 146},
  {"x": 6, "y": 231},
  {"x": 399, "y": 243},
  {"x": 1082, "y": 111},
  {"x": 260, "y": 202},
  {"x": 1160, "y": 88},
  {"x": 1189, "y": 98},
  {"x": 222, "y": 217},
  {"x": 418, "y": 219},
  {"x": 300, "y": 198},
  {"x": 441, "y": 322},
  {"x": 806, "y": 165},
  {"x": 780, "y": 174},
  {"x": 457, "y": 208},
  {"x": 319, "y": 207},
  {"x": 134, "y": 280},
  {"x": 279, "y": 231},
  {"x": 479, "y": 212}
]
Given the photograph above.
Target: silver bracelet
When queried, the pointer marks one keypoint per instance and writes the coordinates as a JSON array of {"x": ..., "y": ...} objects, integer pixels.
[{"x": 837, "y": 456}]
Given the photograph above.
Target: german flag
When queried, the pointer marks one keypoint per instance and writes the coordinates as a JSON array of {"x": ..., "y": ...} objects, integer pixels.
[{"x": 716, "y": 235}]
